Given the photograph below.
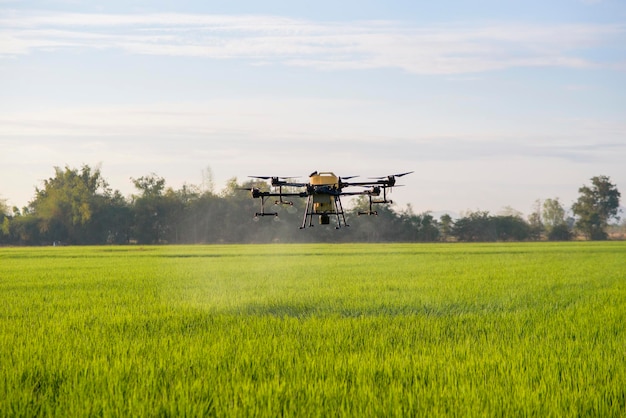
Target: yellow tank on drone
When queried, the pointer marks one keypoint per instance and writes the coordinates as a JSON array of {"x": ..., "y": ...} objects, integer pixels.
[
  {"x": 325, "y": 178},
  {"x": 323, "y": 204}
]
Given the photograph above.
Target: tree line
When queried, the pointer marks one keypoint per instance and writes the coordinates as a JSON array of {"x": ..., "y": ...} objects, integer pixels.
[{"x": 78, "y": 207}]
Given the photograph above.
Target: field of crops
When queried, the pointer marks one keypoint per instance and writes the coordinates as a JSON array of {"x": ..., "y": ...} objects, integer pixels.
[{"x": 314, "y": 330}]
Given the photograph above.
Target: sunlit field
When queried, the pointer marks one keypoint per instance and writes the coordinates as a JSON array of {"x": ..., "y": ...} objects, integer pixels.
[{"x": 314, "y": 330}]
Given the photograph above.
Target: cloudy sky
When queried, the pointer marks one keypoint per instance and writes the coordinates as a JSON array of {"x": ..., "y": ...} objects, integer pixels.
[{"x": 492, "y": 103}]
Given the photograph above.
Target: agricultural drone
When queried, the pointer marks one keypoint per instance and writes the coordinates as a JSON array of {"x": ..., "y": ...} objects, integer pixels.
[{"x": 323, "y": 195}]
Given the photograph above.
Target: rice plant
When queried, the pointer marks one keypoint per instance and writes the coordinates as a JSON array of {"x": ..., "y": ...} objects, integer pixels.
[{"x": 314, "y": 330}]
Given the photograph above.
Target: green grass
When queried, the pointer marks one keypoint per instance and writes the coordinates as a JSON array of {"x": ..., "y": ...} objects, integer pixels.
[{"x": 314, "y": 330}]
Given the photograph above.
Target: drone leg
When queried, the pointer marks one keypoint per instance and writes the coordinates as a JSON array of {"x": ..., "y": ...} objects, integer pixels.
[
  {"x": 306, "y": 212},
  {"x": 262, "y": 213},
  {"x": 343, "y": 215},
  {"x": 310, "y": 212},
  {"x": 339, "y": 213}
]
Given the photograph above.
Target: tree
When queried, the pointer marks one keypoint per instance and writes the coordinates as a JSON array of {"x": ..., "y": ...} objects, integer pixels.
[
  {"x": 480, "y": 226},
  {"x": 415, "y": 227},
  {"x": 149, "y": 209},
  {"x": 117, "y": 218},
  {"x": 476, "y": 226},
  {"x": 511, "y": 228},
  {"x": 428, "y": 228},
  {"x": 510, "y": 211},
  {"x": 553, "y": 215},
  {"x": 4, "y": 221},
  {"x": 595, "y": 207},
  {"x": 23, "y": 230},
  {"x": 618, "y": 231},
  {"x": 150, "y": 185},
  {"x": 69, "y": 207},
  {"x": 4, "y": 208},
  {"x": 535, "y": 223},
  {"x": 208, "y": 184},
  {"x": 445, "y": 226}
]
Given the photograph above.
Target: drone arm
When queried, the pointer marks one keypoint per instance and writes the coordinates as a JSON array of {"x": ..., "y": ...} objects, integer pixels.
[
  {"x": 257, "y": 194},
  {"x": 364, "y": 183},
  {"x": 363, "y": 193}
]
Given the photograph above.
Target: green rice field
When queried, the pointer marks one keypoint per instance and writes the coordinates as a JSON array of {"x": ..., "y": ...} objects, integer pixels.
[{"x": 526, "y": 329}]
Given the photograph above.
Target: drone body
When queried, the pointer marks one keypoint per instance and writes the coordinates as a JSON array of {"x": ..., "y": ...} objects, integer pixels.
[{"x": 323, "y": 195}]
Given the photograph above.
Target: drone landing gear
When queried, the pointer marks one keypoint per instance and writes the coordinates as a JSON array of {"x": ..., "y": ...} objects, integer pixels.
[
  {"x": 263, "y": 196},
  {"x": 263, "y": 213},
  {"x": 324, "y": 216},
  {"x": 371, "y": 211}
]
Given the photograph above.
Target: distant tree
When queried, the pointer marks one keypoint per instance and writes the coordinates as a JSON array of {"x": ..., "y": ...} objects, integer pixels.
[
  {"x": 233, "y": 186},
  {"x": 174, "y": 206},
  {"x": 428, "y": 230},
  {"x": 553, "y": 216},
  {"x": 117, "y": 219},
  {"x": 560, "y": 232},
  {"x": 618, "y": 231},
  {"x": 388, "y": 225},
  {"x": 511, "y": 228},
  {"x": 23, "y": 230},
  {"x": 71, "y": 204},
  {"x": 476, "y": 226},
  {"x": 553, "y": 212},
  {"x": 149, "y": 209},
  {"x": 4, "y": 222},
  {"x": 208, "y": 184},
  {"x": 4, "y": 208},
  {"x": 445, "y": 226},
  {"x": 5, "y": 230},
  {"x": 596, "y": 205},
  {"x": 414, "y": 227},
  {"x": 535, "y": 223},
  {"x": 510, "y": 211},
  {"x": 480, "y": 226},
  {"x": 150, "y": 185}
]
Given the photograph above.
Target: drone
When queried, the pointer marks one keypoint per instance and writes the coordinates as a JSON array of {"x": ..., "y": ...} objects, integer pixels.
[{"x": 323, "y": 194}]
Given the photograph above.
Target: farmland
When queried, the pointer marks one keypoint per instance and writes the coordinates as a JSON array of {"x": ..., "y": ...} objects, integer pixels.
[{"x": 314, "y": 330}]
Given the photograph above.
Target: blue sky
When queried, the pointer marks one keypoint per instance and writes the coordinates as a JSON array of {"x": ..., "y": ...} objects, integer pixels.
[{"x": 491, "y": 103}]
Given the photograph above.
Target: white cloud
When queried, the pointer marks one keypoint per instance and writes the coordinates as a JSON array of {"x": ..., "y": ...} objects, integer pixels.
[
  {"x": 438, "y": 49},
  {"x": 268, "y": 127}
]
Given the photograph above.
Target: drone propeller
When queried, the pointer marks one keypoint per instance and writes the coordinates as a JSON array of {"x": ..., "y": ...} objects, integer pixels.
[
  {"x": 254, "y": 191},
  {"x": 391, "y": 176},
  {"x": 342, "y": 181},
  {"x": 249, "y": 189},
  {"x": 278, "y": 181},
  {"x": 273, "y": 177}
]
